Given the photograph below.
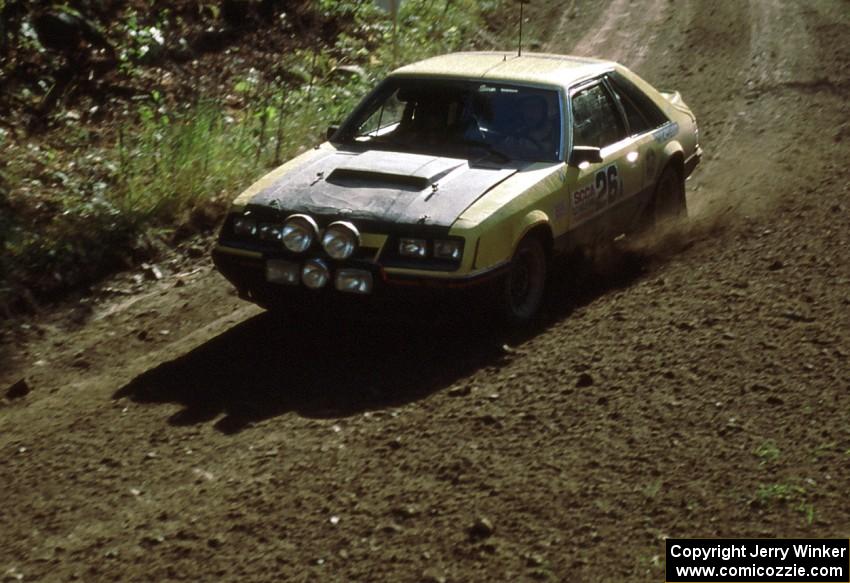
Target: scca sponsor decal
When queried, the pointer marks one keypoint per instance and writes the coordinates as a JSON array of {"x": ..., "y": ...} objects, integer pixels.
[
  {"x": 604, "y": 189},
  {"x": 584, "y": 197}
]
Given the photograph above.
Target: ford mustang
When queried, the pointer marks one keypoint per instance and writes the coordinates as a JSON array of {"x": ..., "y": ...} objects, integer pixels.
[{"x": 468, "y": 169}]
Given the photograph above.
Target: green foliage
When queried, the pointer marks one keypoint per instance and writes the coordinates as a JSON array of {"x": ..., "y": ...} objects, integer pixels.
[
  {"x": 181, "y": 158},
  {"x": 768, "y": 452},
  {"x": 57, "y": 226},
  {"x": 652, "y": 489},
  {"x": 141, "y": 41},
  {"x": 88, "y": 237},
  {"x": 176, "y": 159},
  {"x": 778, "y": 493},
  {"x": 425, "y": 28},
  {"x": 808, "y": 511},
  {"x": 788, "y": 494}
]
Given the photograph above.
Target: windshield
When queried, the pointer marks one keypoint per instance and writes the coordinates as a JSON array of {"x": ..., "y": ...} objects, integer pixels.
[{"x": 459, "y": 118}]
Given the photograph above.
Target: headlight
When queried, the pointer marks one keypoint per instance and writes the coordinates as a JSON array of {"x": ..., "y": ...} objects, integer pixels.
[
  {"x": 299, "y": 232},
  {"x": 315, "y": 273},
  {"x": 413, "y": 247},
  {"x": 245, "y": 226},
  {"x": 448, "y": 249},
  {"x": 340, "y": 240}
]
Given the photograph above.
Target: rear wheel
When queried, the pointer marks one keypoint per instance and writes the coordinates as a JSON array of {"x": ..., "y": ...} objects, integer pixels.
[
  {"x": 668, "y": 202},
  {"x": 520, "y": 294}
]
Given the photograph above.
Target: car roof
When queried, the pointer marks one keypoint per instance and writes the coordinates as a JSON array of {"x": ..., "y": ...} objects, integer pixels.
[{"x": 535, "y": 68}]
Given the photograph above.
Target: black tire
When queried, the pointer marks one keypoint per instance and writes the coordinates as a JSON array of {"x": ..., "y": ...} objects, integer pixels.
[
  {"x": 668, "y": 201},
  {"x": 520, "y": 293}
]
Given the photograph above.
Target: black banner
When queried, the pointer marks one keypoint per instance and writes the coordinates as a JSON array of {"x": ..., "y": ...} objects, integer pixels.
[{"x": 758, "y": 560}]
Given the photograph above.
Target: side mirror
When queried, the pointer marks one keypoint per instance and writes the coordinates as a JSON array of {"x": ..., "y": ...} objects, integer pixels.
[
  {"x": 331, "y": 131},
  {"x": 587, "y": 154}
]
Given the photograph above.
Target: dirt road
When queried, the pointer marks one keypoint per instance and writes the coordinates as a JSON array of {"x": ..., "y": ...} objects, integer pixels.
[{"x": 697, "y": 386}]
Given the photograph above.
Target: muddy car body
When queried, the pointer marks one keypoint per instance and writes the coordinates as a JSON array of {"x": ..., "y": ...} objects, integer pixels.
[{"x": 463, "y": 170}]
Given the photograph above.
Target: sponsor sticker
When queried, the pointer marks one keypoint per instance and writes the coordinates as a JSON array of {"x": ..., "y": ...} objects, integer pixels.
[
  {"x": 605, "y": 188},
  {"x": 666, "y": 132}
]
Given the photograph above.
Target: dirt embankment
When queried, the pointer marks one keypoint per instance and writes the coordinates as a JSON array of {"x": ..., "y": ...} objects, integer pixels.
[{"x": 699, "y": 389}]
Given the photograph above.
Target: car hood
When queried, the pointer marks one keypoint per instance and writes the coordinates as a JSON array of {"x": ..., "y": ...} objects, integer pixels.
[{"x": 382, "y": 186}]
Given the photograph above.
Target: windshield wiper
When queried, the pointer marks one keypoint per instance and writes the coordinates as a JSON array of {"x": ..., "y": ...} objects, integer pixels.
[{"x": 380, "y": 142}]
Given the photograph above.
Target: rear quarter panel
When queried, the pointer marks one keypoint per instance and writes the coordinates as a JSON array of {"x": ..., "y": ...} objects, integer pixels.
[{"x": 681, "y": 135}]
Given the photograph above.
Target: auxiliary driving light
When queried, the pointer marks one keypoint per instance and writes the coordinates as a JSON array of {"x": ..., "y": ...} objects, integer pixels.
[
  {"x": 358, "y": 281},
  {"x": 299, "y": 232},
  {"x": 315, "y": 274},
  {"x": 341, "y": 240},
  {"x": 286, "y": 272}
]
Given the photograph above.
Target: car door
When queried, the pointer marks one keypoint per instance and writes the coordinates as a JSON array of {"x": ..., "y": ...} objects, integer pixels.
[
  {"x": 601, "y": 190},
  {"x": 642, "y": 118}
]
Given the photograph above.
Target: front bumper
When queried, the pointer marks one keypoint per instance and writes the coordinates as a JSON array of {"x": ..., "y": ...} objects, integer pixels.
[{"x": 246, "y": 270}]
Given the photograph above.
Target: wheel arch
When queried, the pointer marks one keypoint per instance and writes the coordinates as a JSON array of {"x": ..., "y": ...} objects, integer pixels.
[
  {"x": 536, "y": 224},
  {"x": 675, "y": 156}
]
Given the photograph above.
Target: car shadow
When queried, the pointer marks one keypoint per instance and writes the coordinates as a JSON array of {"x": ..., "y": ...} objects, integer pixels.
[
  {"x": 269, "y": 365},
  {"x": 338, "y": 365}
]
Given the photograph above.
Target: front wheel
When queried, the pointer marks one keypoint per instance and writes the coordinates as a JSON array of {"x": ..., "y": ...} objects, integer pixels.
[{"x": 520, "y": 294}]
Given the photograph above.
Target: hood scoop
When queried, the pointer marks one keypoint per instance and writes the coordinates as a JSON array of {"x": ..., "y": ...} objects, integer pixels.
[
  {"x": 380, "y": 187},
  {"x": 411, "y": 172}
]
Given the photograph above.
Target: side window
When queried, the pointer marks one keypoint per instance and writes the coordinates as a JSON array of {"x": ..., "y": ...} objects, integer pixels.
[
  {"x": 389, "y": 114},
  {"x": 638, "y": 123},
  {"x": 596, "y": 121},
  {"x": 637, "y": 100}
]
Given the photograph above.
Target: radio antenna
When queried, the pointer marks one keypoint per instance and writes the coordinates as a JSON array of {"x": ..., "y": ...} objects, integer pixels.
[{"x": 519, "y": 46}]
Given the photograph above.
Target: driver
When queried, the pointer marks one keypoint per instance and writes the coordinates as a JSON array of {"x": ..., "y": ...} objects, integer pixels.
[{"x": 533, "y": 134}]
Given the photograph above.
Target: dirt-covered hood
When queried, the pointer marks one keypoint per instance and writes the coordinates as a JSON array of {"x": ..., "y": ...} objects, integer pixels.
[{"x": 383, "y": 186}]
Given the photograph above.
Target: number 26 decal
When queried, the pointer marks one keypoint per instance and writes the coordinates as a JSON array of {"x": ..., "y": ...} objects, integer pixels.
[{"x": 607, "y": 182}]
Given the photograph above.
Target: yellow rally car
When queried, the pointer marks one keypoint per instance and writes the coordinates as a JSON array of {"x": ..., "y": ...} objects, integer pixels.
[{"x": 461, "y": 170}]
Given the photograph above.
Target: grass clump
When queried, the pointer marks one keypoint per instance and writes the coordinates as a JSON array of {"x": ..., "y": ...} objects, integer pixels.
[
  {"x": 178, "y": 160},
  {"x": 790, "y": 495},
  {"x": 768, "y": 493},
  {"x": 767, "y": 452}
]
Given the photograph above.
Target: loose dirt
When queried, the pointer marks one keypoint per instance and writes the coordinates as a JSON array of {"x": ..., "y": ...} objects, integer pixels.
[{"x": 697, "y": 387}]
